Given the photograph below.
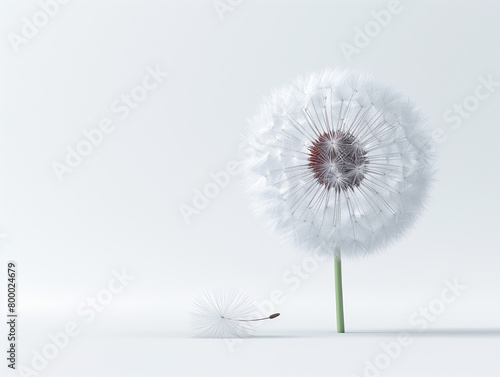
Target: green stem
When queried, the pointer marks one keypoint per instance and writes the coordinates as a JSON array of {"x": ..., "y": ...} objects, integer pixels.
[{"x": 338, "y": 292}]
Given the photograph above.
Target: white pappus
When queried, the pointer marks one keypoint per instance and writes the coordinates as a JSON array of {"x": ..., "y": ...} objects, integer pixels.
[{"x": 225, "y": 313}]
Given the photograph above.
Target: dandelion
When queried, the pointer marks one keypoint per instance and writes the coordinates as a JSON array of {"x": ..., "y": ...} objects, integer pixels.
[
  {"x": 225, "y": 313},
  {"x": 340, "y": 164}
]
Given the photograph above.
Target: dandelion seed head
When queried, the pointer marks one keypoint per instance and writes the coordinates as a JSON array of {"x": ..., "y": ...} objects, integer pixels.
[{"x": 339, "y": 161}]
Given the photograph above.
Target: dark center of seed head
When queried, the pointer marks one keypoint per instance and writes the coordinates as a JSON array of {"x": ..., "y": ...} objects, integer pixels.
[{"x": 337, "y": 160}]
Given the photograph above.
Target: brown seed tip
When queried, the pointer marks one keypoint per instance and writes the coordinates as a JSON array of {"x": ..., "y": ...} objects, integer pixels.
[{"x": 274, "y": 315}]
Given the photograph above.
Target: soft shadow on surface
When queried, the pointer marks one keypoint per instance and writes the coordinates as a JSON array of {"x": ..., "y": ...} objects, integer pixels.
[
  {"x": 437, "y": 333},
  {"x": 294, "y": 334}
]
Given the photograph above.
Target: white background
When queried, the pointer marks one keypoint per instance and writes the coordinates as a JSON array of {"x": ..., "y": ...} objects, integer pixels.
[{"x": 120, "y": 207}]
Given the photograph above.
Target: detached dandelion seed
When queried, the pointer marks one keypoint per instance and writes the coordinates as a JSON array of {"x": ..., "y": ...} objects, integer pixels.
[
  {"x": 340, "y": 164},
  {"x": 225, "y": 313}
]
